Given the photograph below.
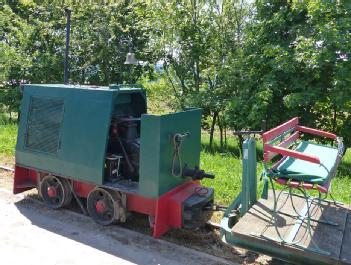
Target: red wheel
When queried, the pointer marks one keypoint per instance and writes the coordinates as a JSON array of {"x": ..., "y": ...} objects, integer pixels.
[
  {"x": 55, "y": 192},
  {"x": 101, "y": 206}
]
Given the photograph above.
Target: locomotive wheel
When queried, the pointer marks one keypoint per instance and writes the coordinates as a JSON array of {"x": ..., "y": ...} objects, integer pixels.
[
  {"x": 101, "y": 206},
  {"x": 55, "y": 191}
]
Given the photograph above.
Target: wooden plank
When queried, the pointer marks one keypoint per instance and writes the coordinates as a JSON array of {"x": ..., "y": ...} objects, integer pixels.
[
  {"x": 260, "y": 215},
  {"x": 286, "y": 143},
  {"x": 345, "y": 256},
  {"x": 327, "y": 237},
  {"x": 291, "y": 153},
  {"x": 273, "y": 133},
  {"x": 315, "y": 132}
]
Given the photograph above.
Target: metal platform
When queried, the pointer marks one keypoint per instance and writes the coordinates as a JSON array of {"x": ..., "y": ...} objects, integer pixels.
[
  {"x": 334, "y": 239},
  {"x": 126, "y": 186}
]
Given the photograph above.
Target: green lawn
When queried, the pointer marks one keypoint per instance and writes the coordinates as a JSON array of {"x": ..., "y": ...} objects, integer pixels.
[
  {"x": 227, "y": 168},
  {"x": 8, "y": 137},
  {"x": 225, "y": 165}
]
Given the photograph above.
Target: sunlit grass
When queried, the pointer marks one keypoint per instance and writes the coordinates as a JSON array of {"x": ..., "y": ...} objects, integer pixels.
[
  {"x": 8, "y": 138},
  {"x": 227, "y": 167}
]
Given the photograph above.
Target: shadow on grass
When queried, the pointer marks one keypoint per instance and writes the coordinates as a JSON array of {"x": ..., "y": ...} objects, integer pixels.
[
  {"x": 234, "y": 150},
  {"x": 344, "y": 169},
  {"x": 233, "y": 147},
  {"x": 5, "y": 119}
]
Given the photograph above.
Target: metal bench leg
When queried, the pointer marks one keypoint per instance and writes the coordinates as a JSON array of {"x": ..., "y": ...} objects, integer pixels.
[
  {"x": 319, "y": 206},
  {"x": 322, "y": 220},
  {"x": 305, "y": 215},
  {"x": 273, "y": 219},
  {"x": 335, "y": 202}
]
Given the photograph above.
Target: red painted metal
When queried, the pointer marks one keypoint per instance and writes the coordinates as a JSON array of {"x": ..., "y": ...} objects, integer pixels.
[
  {"x": 82, "y": 189},
  {"x": 323, "y": 189},
  {"x": 100, "y": 206},
  {"x": 169, "y": 208},
  {"x": 140, "y": 204},
  {"x": 315, "y": 132},
  {"x": 294, "y": 184},
  {"x": 52, "y": 192},
  {"x": 307, "y": 186},
  {"x": 291, "y": 153},
  {"x": 286, "y": 143},
  {"x": 277, "y": 163},
  {"x": 281, "y": 181},
  {"x": 273, "y": 133},
  {"x": 24, "y": 179}
]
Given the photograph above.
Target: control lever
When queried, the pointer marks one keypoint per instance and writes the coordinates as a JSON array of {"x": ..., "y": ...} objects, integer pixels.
[{"x": 247, "y": 132}]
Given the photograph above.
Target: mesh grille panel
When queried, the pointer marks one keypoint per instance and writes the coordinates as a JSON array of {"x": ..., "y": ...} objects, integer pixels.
[{"x": 44, "y": 124}]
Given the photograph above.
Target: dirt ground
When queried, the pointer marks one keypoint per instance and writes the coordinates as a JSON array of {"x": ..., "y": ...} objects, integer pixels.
[
  {"x": 205, "y": 239},
  {"x": 30, "y": 233}
]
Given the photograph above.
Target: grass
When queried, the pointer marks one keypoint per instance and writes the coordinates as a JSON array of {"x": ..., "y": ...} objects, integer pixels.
[
  {"x": 8, "y": 137},
  {"x": 226, "y": 165}
]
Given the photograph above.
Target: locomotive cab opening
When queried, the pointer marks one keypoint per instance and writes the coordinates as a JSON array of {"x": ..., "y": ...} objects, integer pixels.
[{"x": 123, "y": 144}]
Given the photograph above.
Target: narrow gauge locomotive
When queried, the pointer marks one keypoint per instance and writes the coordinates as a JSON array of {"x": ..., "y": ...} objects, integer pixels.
[{"x": 99, "y": 144}]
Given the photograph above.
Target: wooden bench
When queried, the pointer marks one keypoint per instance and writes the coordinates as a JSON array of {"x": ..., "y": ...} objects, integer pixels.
[{"x": 303, "y": 163}]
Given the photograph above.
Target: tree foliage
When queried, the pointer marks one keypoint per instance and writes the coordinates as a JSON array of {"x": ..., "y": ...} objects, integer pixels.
[
  {"x": 242, "y": 62},
  {"x": 196, "y": 41},
  {"x": 296, "y": 63}
]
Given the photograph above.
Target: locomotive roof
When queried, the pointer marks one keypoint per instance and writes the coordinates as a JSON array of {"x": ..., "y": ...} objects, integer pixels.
[{"x": 115, "y": 87}]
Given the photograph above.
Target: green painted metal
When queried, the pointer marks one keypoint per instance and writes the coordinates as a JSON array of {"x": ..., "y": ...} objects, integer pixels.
[
  {"x": 157, "y": 150},
  {"x": 298, "y": 169},
  {"x": 243, "y": 202},
  {"x": 249, "y": 175},
  {"x": 281, "y": 137},
  {"x": 83, "y": 131},
  {"x": 267, "y": 249}
]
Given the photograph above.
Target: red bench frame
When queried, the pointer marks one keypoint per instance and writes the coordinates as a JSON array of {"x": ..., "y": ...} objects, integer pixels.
[
  {"x": 287, "y": 133},
  {"x": 270, "y": 151},
  {"x": 277, "y": 142}
]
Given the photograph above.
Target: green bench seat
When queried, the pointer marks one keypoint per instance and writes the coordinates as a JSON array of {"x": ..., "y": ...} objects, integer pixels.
[{"x": 301, "y": 170}]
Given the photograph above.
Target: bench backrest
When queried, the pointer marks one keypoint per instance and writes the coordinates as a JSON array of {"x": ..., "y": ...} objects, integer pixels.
[{"x": 282, "y": 136}]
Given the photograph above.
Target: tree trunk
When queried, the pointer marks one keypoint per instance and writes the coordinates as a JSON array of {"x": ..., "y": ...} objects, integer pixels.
[
  {"x": 241, "y": 141},
  {"x": 214, "y": 118},
  {"x": 18, "y": 117},
  {"x": 334, "y": 118},
  {"x": 225, "y": 137},
  {"x": 197, "y": 75},
  {"x": 220, "y": 125}
]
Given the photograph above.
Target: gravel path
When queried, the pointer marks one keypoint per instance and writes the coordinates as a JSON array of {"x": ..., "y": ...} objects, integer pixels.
[{"x": 32, "y": 234}]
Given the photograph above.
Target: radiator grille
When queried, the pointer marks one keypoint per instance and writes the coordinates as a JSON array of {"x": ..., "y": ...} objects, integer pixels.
[{"x": 44, "y": 124}]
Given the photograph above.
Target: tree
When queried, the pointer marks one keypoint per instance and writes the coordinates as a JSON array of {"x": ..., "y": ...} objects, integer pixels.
[
  {"x": 14, "y": 61},
  {"x": 296, "y": 62},
  {"x": 194, "y": 39},
  {"x": 32, "y": 43}
]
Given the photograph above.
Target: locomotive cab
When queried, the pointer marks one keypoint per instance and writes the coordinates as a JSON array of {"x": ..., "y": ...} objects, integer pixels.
[{"x": 123, "y": 143}]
